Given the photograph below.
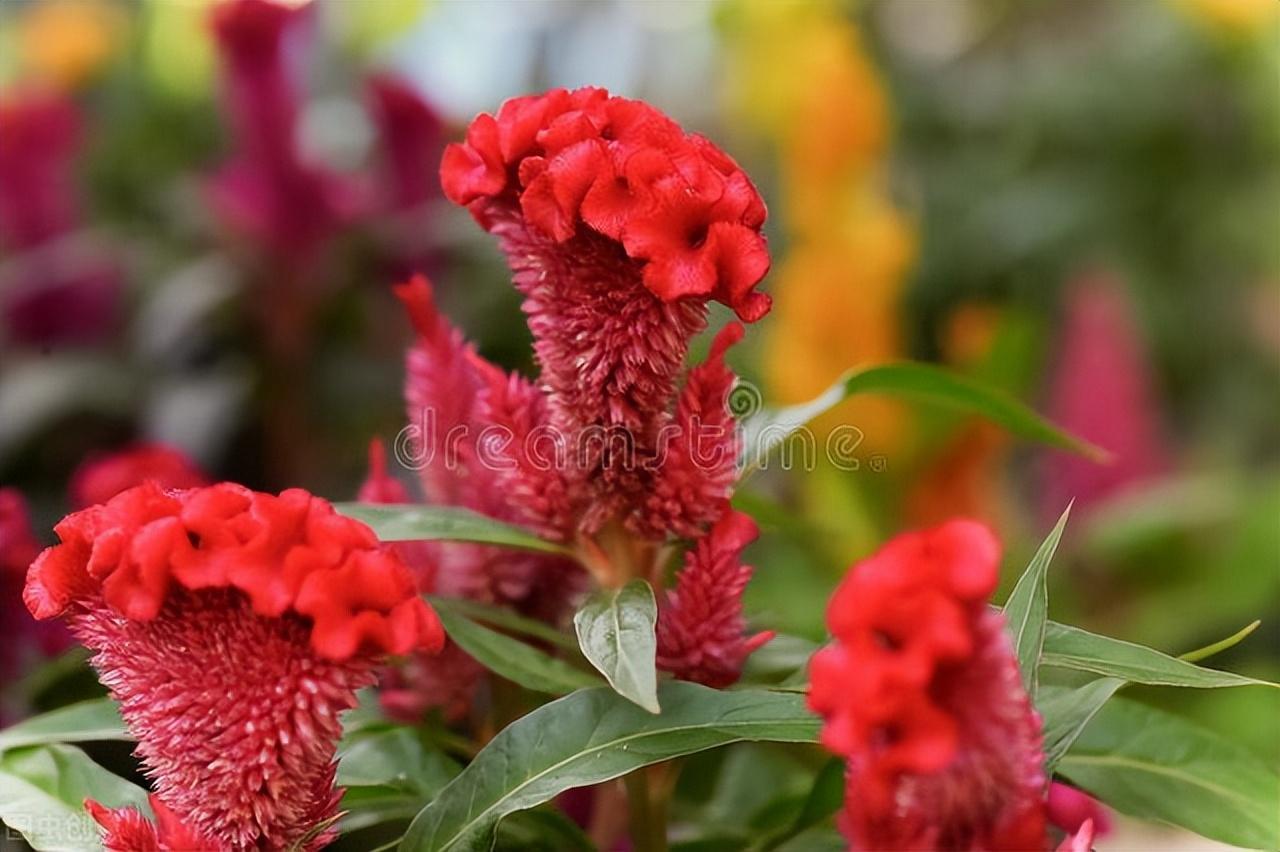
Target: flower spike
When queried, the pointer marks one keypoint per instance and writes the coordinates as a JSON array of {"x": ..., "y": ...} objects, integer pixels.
[
  {"x": 921, "y": 693},
  {"x": 233, "y": 627}
]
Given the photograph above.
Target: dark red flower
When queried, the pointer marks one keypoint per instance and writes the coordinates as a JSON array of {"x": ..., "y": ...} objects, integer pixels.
[
  {"x": 233, "y": 627},
  {"x": 921, "y": 693},
  {"x": 409, "y": 131},
  {"x": 99, "y": 478},
  {"x": 700, "y": 627},
  {"x": 268, "y": 191},
  {"x": 39, "y": 136}
]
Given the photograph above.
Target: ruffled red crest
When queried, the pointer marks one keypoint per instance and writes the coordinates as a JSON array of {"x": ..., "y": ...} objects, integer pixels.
[
  {"x": 290, "y": 552},
  {"x": 921, "y": 693},
  {"x": 570, "y": 162},
  {"x": 99, "y": 478}
]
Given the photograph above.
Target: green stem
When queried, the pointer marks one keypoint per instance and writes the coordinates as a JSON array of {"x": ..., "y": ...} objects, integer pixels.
[{"x": 648, "y": 817}]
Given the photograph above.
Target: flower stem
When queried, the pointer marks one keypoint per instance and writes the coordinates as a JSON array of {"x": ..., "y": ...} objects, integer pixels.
[{"x": 648, "y": 814}]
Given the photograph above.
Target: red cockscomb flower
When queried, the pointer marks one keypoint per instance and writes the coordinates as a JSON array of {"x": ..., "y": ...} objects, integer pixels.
[
  {"x": 99, "y": 478},
  {"x": 619, "y": 227},
  {"x": 700, "y": 628},
  {"x": 233, "y": 627},
  {"x": 921, "y": 693}
]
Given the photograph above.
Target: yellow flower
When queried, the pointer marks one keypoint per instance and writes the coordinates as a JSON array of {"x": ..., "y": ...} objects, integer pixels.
[
  {"x": 65, "y": 43},
  {"x": 1236, "y": 17},
  {"x": 836, "y": 306}
]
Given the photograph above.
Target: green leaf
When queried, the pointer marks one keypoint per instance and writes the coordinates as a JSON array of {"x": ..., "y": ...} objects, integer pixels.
[
  {"x": 924, "y": 382},
  {"x": 42, "y": 793},
  {"x": 590, "y": 737},
  {"x": 1072, "y": 648},
  {"x": 616, "y": 631},
  {"x": 84, "y": 722},
  {"x": 1067, "y": 711},
  {"x": 1152, "y": 765},
  {"x": 541, "y": 830},
  {"x": 1028, "y": 607},
  {"x": 444, "y": 523},
  {"x": 511, "y": 658},
  {"x": 394, "y": 757},
  {"x": 825, "y": 798},
  {"x": 502, "y": 617},
  {"x": 1221, "y": 645}
]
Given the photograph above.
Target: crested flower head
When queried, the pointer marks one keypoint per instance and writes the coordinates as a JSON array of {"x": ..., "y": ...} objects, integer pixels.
[
  {"x": 233, "y": 627},
  {"x": 921, "y": 693},
  {"x": 700, "y": 628},
  {"x": 99, "y": 478},
  {"x": 624, "y": 178},
  {"x": 619, "y": 228}
]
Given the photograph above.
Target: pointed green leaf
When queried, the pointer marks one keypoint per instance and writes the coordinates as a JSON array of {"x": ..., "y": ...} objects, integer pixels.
[
  {"x": 42, "y": 793},
  {"x": 498, "y": 616},
  {"x": 616, "y": 631},
  {"x": 444, "y": 523},
  {"x": 1067, "y": 711},
  {"x": 1072, "y": 648},
  {"x": 591, "y": 737},
  {"x": 1028, "y": 607},
  {"x": 924, "y": 382},
  {"x": 84, "y": 722},
  {"x": 1153, "y": 765},
  {"x": 511, "y": 658},
  {"x": 397, "y": 757}
]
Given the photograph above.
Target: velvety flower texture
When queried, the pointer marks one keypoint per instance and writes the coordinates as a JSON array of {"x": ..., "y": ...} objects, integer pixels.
[
  {"x": 618, "y": 227},
  {"x": 99, "y": 478},
  {"x": 921, "y": 693},
  {"x": 700, "y": 632},
  {"x": 233, "y": 627}
]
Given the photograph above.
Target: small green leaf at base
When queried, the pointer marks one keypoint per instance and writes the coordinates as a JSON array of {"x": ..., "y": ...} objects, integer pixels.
[{"x": 616, "y": 631}]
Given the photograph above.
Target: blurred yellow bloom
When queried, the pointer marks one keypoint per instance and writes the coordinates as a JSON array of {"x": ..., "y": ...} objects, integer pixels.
[
  {"x": 1241, "y": 17},
  {"x": 67, "y": 42},
  {"x": 798, "y": 73},
  {"x": 836, "y": 301}
]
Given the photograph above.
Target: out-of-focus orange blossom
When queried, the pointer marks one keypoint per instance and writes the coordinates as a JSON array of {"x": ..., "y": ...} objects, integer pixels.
[{"x": 65, "y": 43}]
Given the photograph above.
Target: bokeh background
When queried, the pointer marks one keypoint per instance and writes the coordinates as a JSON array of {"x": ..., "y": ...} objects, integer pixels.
[{"x": 1075, "y": 200}]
